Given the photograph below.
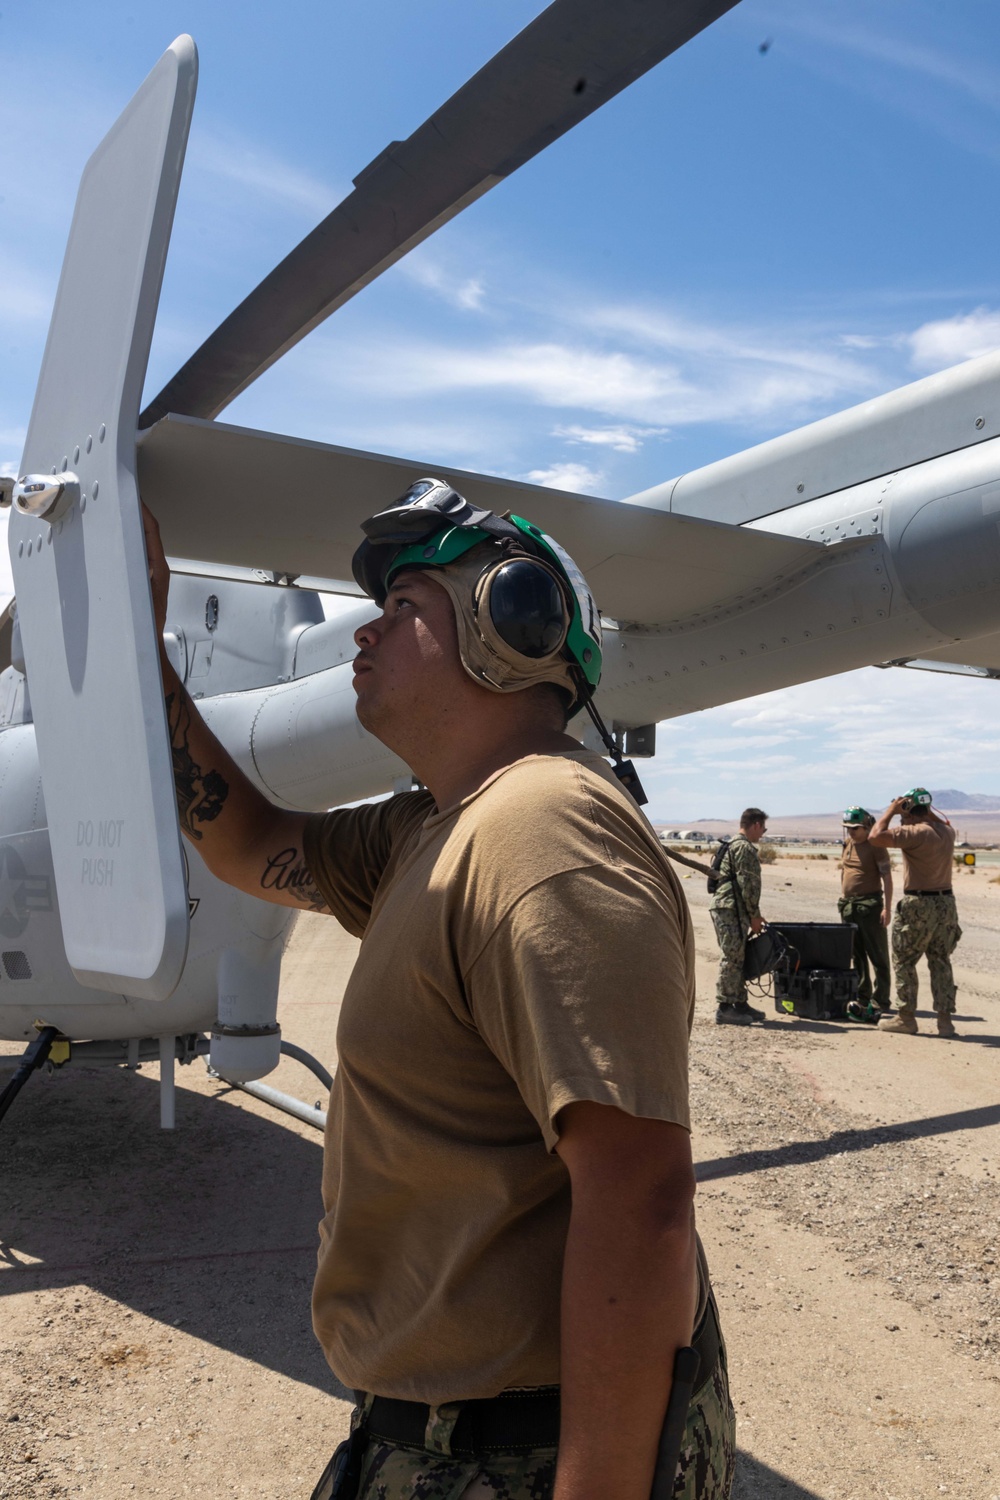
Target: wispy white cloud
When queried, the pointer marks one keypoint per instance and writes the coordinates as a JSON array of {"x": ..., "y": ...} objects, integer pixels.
[
  {"x": 552, "y": 374},
  {"x": 622, "y": 383},
  {"x": 966, "y": 75},
  {"x": 465, "y": 292},
  {"x": 949, "y": 89},
  {"x": 948, "y": 341},
  {"x": 264, "y": 173},
  {"x": 859, "y": 340},
  {"x": 810, "y": 357},
  {"x": 621, "y": 439},
  {"x": 567, "y": 476},
  {"x": 617, "y": 374},
  {"x": 834, "y": 742}
]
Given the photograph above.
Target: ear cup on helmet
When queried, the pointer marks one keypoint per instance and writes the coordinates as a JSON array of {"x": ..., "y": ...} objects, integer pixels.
[{"x": 524, "y": 603}]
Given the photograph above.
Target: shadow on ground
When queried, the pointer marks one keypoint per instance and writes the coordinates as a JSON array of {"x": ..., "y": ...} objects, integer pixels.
[
  {"x": 795, "y": 1025},
  {"x": 780, "y": 1024},
  {"x": 211, "y": 1227},
  {"x": 756, "y": 1481},
  {"x": 795, "y": 1153}
]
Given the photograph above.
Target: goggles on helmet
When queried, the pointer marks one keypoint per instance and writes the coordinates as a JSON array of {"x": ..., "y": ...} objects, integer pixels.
[{"x": 432, "y": 526}]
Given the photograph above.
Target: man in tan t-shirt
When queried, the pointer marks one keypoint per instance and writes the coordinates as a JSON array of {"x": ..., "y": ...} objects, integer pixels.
[
  {"x": 508, "y": 1260},
  {"x": 926, "y": 917}
]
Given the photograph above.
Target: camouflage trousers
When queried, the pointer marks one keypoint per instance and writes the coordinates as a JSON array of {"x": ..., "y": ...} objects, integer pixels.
[
  {"x": 925, "y": 925},
  {"x": 871, "y": 942},
  {"x": 732, "y": 938},
  {"x": 392, "y": 1472}
]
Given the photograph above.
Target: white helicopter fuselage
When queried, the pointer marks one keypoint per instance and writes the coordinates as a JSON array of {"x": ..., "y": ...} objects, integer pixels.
[
  {"x": 228, "y": 930},
  {"x": 910, "y": 567},
  {"x": 868, "y": 538}
]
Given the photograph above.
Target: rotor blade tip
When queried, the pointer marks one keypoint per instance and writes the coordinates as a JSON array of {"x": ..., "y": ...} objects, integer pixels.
[{"x": 185, "y": 50}]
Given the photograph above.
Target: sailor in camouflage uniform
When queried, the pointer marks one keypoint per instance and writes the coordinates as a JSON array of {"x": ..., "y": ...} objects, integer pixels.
[
  {"x": 735, "y": 908},
  {"x": 866, "y": 905},
  {"x": 926, "y": 922}
]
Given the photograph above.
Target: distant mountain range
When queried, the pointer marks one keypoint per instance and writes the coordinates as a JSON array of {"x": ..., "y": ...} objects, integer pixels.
[
  {"x": 952, "y": 801},
  {"x": 979, "y": 814}
]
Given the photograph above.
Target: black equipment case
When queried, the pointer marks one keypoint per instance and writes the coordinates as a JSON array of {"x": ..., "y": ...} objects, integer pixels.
[{"x": 816, "y": 979}]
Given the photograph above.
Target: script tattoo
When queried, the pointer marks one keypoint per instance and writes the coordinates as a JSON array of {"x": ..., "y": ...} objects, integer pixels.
[
  {"x": 200, "y": 794},
  {"x": 288, "y": 871}
]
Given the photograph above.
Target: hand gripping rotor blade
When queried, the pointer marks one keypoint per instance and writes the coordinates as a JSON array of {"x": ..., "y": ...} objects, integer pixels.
[{"x": 569, "y": 61}]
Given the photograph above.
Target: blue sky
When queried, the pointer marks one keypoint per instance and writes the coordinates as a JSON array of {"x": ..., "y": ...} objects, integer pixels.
[{"x": 741, "y": 242}]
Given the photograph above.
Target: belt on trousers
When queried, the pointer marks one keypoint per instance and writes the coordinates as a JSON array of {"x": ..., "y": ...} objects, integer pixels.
[
  {"x": 948, "y": 892},
  {"x": 516, "y": 1420}
]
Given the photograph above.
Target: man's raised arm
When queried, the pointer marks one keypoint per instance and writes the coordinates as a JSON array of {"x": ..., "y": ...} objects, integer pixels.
[{"x": 242, "y": 837}]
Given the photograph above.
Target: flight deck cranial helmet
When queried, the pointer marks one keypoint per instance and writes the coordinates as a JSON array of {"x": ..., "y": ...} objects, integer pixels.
[
  {"x": 523, "y": 610},
  {"x": 917, "y": 797},
  {"x": 858, "y": 817}
]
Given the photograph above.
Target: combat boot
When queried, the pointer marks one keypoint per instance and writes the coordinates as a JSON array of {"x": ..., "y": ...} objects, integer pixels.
[
  {"x": 737, "y": 1013},
  {"x": 945, "y": 1025},
  {"x": 904, "y": 1021}
]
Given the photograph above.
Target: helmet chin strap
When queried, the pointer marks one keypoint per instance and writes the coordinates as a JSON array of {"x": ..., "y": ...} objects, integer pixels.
[{"x": 623, "y": 769}]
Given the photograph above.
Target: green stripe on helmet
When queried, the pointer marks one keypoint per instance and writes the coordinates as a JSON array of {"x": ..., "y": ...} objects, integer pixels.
[
  {"x": 583, "y": 639},
  {"x": 438, "y": 551}
]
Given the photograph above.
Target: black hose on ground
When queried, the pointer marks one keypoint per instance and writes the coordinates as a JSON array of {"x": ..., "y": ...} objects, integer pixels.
[
  {"x": 35, "y": 1054},
  {"x": 300, "y": 1054}
]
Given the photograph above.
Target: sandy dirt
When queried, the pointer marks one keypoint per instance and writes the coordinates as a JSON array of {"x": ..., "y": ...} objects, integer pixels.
[{"x": 154, "y": 1324}]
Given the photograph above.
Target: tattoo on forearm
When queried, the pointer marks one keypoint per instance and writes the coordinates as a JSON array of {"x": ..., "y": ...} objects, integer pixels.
[
  {"x": 200, "y": 794},
  {"x": 288, "y": 871}
]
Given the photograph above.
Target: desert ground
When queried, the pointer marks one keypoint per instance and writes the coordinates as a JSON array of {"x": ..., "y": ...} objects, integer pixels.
[{"x": 155, "y": 1339}]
